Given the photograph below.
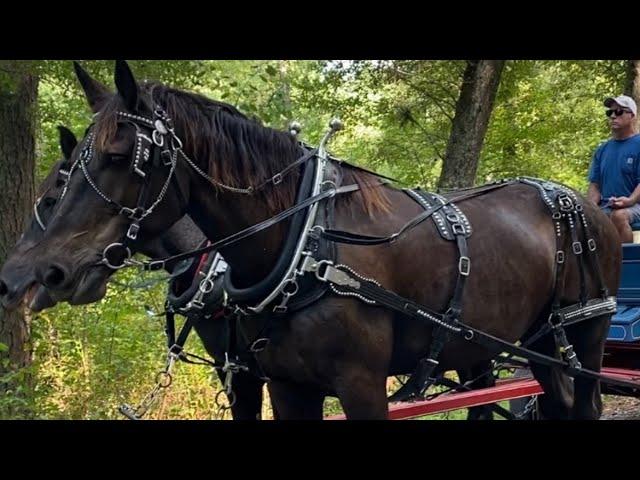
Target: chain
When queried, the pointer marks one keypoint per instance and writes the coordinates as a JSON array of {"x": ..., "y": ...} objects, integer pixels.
[
  {"x": 163, "y": 381},
  {"x": 230, "y": 369},
  {"x": 529, "y": 407},
  {"x": 163, "y": 191},
  {"x": 198, "y": 170}
]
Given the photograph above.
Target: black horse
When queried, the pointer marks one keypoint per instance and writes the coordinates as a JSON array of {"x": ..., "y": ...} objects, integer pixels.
[
  {"x": 337, "y": 344},
  {"x": 18, "y": 282}
]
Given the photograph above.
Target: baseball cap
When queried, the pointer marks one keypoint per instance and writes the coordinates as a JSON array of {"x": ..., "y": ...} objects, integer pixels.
[{"x": 623, "y": 101}]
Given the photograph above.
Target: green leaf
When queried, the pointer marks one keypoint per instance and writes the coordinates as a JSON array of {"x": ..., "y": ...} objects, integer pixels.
[{"x": 271, "y": 70}]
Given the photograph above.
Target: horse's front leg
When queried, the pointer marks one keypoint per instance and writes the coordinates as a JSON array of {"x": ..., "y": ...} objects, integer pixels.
[
  {"x": 292, "y": 401},
  {"x": 248, "y": 391},
  {"x": 363, "y": 394}
]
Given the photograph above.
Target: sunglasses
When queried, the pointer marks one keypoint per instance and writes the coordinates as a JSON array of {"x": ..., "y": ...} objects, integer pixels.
[{"x": 619, "y": 112}]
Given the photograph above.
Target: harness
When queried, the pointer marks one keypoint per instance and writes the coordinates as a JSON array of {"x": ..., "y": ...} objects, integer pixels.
[
  {"x": 453, "y": 225},
  {"x": 308, "y": 262}
]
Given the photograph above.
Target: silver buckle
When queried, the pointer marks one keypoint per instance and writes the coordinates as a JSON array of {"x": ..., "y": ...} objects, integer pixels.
[
  {"x": 577, "y": 248},
  {"x": 464, "y": 266},
  {"x": 333, "y": 275},
  {"x": 132, "y": 233},
  {"x": 197, "y": 304}
]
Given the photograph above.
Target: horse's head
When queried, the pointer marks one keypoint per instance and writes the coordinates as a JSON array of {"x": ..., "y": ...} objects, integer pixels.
[
  {"x": 17, "y": 277},
  {"x": 117, "y": 179}
]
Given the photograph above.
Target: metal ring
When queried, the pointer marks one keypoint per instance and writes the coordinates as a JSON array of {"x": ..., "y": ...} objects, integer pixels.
[
  {"x": 155, "y": 135},
  {"x": 286, "y": 284},
  {"x": 106, "y": 261},
  {"x": 231, "y": 400},
  {"x": 468, "y": 335},
  {"x": 164, "y": 379},
  {"x": 331, "y": 182},
  {"x": 206, "y": 285}
]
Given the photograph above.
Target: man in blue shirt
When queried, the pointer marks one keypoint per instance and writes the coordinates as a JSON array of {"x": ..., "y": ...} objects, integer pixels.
[{"x": 615, "y": 169}]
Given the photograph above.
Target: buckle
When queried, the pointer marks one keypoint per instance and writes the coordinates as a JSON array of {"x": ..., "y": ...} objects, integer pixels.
[
  {"x": 556, "y": 215},
  {"x": 458, "y": 228},
  {"x": 195, "y": 303},
  {"x": 277, "y": 178},
  {"x": 464, "y": 266},
  {"x": 565, "y": 203},
  {"x": 132, "y": 233},
  {"x": 154, "y": 265},
  {"x": 559, "y": 256},
  {"x": 333, "y": 275},
  {"x": 453, "y": 217},
  {"x": 577, "y": 248},
  {"x": 591, "y": 243},
  {"x": 132, "y": 213}
]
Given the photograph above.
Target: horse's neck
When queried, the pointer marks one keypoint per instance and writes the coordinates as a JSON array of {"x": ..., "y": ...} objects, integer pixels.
[
  {"x": 223, "y": 214},
  {"x": 183, "y": 236}
]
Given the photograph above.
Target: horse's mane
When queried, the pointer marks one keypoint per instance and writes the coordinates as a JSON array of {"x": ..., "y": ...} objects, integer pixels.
[{"x": 243, "y": 152}]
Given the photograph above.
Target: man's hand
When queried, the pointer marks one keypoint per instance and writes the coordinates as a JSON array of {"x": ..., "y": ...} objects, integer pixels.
[{"x": 620, "y": 202}]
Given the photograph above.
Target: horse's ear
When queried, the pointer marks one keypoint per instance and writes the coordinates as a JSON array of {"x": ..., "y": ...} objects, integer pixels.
[
  {"x": 96, "y": 93},
  {"x": 126, "y": 85},
  {"x": 68, "y": 141}
]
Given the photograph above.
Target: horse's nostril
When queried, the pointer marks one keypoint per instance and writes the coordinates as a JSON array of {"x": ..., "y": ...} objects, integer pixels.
[
  {"x": 3, "y": 289},
  {"x": 54, "y": 277}
]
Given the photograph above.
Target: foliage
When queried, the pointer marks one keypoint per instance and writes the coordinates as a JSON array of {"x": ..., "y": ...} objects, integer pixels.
[{"x": 397, "y": 114}]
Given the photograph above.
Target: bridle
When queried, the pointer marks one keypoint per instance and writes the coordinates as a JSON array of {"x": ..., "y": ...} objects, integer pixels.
[
  {"x": 156, "y": 145},
  {"x": 63, "y": 176},
  {"x": 148, "y": 148}
]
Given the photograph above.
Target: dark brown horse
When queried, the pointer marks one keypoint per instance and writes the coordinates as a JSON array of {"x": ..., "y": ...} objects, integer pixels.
[
  {"x": 338, "y": 345},
  {"x": 18, "y": 282}
]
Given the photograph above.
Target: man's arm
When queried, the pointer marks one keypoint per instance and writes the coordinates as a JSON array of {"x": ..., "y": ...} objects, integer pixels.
[
  {"x": 594, "y": 193},
  {"x": 626, "y": 202}
]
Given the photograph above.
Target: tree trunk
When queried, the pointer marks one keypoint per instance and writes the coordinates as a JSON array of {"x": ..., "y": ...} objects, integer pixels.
[
  {"x": 632, "y": 83},
  {"x": 473, "y": 111},
  {"x": 18, "y": 96}
]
